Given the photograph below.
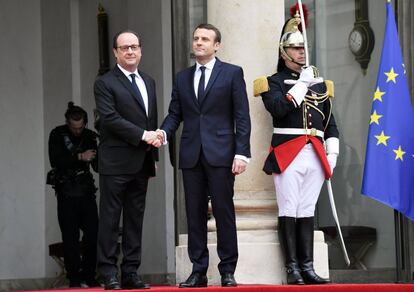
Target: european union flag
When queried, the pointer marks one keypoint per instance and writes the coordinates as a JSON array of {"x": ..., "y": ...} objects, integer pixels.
[{"x": 389, "y": 161}]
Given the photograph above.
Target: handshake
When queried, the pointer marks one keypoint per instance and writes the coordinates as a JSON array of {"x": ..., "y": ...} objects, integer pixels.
[{"x": 154, "y": 138}]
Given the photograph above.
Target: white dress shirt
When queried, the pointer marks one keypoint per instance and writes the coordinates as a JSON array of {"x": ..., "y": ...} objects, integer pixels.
[
  {"x": 141, "y": 85},
  {"x": 207, "y": 73},
  {"x": 142, "y": 89}
]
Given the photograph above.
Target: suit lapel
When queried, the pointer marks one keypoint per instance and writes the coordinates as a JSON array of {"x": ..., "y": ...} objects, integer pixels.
[
  {"x": 125, "y": 81},
  {"x": 213, "y": 77}
]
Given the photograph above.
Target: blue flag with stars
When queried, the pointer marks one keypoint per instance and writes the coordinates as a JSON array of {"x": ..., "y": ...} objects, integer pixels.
[{"x": 389, "y": 161}]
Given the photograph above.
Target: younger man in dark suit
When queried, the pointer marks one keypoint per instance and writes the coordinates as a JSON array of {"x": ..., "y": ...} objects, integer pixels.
[
  {"x": 210, "y": 99},
  {"x": 126, "y": 103}
]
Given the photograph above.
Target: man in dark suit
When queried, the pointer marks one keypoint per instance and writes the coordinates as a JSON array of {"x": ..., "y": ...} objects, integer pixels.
[
  {"x": 126, "y": 103},
  {"x": 210, "y": 99}
]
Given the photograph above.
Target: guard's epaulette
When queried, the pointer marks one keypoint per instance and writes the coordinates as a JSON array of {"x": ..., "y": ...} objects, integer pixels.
[
  {"x": 260, "y": 85},
  {"x": 330, "y": 88}
]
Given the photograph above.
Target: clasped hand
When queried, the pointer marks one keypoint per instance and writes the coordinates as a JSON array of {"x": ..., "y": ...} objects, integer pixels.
[
  {"x": 239, "y": 166},
  {"x": 87, "y": 155},
  {"x": 154, "y": 138},
  {"x": 307, "y": 76}
]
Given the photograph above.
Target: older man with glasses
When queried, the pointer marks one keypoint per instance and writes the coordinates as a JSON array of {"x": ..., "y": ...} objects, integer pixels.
[{"x": 127, "y": 106}]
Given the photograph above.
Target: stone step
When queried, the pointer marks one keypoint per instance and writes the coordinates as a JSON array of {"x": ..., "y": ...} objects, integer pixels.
[
  {"x": 254, "y": 195},
  {"x": 250, "y": 236},
  {"x": 260, "y": 259},
  {"x": 253, "y": 206},
  {"x": 248, "y": 224}
]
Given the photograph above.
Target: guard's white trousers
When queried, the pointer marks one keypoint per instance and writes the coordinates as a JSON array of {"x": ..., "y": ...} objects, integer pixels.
[{"x": 298, "y": 187}]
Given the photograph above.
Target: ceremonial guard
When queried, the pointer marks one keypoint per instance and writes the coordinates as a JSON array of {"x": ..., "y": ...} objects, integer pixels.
[{"x": 303, "y": 150}]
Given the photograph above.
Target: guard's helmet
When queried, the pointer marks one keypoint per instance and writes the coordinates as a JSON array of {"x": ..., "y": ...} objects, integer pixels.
[
  {"x": 292, "y": 37},
  {"x": 292, "y": 40}
]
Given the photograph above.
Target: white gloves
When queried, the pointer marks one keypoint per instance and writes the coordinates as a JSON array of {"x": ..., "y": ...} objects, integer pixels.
[
  {"x": 332, "y": 160},
  {"x": 297, "y": 93},
  {"x": 306, "y": 79},
  {"x": 307, "y": 76},
  {"x": 332, "y": 150}
]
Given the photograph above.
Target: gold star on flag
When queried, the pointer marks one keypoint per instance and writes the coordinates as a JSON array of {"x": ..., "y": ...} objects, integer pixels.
[
  {"x": 378, "y": 94},
  {"x": 391, "y": 75},
  {"x": 399, "y": 153},
  {"x": 382, "y": 139},
  {"x": 375, "y": 118}
]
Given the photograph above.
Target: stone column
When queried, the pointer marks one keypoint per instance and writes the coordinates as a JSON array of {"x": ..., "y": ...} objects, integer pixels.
[{"x": 250, "y": 35}]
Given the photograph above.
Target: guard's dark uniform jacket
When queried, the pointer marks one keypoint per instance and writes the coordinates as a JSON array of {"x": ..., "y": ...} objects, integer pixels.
[{"x": 315, "y": 113}]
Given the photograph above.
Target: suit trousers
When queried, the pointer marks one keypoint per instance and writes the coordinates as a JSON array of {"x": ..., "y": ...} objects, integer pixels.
[
  {"x": 121, "y": 193},
  {"x": 217, "y": 182},
  {"x": 75, "y": 214}
]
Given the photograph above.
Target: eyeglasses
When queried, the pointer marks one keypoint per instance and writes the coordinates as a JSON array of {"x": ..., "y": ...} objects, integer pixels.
[{"x": 132, "y": 47}]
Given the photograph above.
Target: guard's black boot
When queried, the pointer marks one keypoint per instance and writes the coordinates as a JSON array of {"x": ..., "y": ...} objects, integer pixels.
[
  {"x": 287, "y": 239},
  {"x": 304, "y": 236}
]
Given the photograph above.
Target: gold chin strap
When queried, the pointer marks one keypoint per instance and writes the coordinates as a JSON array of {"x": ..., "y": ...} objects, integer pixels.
[{"x": 284, "y": 53}]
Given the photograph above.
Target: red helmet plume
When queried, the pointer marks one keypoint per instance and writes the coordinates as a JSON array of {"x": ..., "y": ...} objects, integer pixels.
[{"x": 295, "y": 8}]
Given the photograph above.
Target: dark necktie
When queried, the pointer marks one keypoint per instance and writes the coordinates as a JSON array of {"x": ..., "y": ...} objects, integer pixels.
[
  {"x": 200, "y": 91},
  {"x": 134, "y": 85},
  {"x": 136, "y": 89}
]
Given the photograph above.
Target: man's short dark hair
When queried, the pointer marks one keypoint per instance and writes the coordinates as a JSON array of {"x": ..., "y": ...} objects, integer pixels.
[
  {"x": 115, "y": 39},
  {"x": 210, "y": 27},
  {"x": 76, "y": 113}
]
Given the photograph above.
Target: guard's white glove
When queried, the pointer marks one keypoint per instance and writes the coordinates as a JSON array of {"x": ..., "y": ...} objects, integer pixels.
[
  {"x": 306, "y": 79},
  {"x": 332, "y": 160},
  {"x": 332, "y": 150},
  {"x": 307, "y": 76}
]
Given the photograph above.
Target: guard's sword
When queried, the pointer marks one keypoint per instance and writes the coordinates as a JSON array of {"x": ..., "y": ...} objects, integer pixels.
[
  {"x": 328, "y": 181},
  {"x": 338, "y": 227}
]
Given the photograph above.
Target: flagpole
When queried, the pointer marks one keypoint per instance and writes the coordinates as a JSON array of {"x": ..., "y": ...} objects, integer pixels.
[
  {"x": 398, "y": 235},
  {"x": 401, "y": 250}
]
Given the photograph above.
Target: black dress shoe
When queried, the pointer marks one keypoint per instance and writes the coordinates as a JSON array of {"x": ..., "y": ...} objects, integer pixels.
[
  {"x": 227, "y": 280},
  {"x": 194, "y": 281},
  {"x": 294, "y": 277},
  {"x": 92, "y": 282},
  {"x": 74, "y": 284},
  {"x": 112, "y": 283},
  {"x": 311, "y": 278},
  {"x": 133, "y": 281}
]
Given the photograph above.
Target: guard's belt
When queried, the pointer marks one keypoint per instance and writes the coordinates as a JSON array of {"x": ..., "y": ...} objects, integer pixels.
[{"x": 297, "y": 131}]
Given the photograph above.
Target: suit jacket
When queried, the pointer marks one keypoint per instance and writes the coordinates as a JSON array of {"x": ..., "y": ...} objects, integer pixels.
[
  {"x": 219, "y": 123},
  {"x": 122, "y": 123}
]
